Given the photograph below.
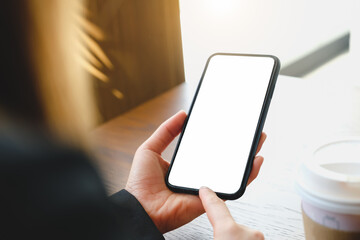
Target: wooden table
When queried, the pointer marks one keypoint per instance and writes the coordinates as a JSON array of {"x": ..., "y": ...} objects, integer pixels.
[{"x": 270, "y": 204}]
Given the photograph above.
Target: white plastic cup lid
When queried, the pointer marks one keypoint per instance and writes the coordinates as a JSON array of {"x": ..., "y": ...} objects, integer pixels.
[{"x": 329, "y": 177}]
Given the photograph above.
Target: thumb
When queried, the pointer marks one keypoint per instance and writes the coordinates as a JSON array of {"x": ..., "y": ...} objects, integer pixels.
[
  {"x": 167, "y": 131},
  {"x": 216, "y": 210}
]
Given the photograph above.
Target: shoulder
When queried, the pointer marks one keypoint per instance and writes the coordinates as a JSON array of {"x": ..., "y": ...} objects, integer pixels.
[
  {"x": 46, "y": 185},
  {"x": 20, "y": 145},
  {"x": 47, "y": 188},
  {"x": 31, "y": 158}
]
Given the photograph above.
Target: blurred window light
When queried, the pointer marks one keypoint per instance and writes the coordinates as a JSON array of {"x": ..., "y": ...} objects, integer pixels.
[
  {"x": 287, "y": 29},
  {"x": 221, "y": 7}
]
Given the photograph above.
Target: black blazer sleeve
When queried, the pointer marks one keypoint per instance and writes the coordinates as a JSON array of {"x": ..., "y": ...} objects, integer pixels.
[
  {"x": 135, "y": 223},
  {"x": 48, "y": 191}
]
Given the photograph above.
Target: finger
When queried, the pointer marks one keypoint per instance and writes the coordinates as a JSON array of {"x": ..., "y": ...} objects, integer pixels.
[
  {"x": 216, "y": 210},
  {"x": 261, "y": 142},
  {"x": 258, "y": 161},
  {"x": 167, "y": 131}
]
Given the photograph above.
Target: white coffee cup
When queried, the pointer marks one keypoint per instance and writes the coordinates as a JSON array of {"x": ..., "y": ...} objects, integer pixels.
[{"x": 329, "y": 184}]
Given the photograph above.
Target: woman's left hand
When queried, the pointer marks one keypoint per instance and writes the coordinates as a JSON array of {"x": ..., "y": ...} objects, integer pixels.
[{"x": 146, "y": 182}]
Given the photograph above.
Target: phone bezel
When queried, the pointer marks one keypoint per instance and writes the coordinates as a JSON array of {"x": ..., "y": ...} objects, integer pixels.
[{"x": 256, "y": 139}]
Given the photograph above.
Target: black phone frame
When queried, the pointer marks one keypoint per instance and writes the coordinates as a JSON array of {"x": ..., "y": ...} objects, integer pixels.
[{"x": 257, "y": 135}]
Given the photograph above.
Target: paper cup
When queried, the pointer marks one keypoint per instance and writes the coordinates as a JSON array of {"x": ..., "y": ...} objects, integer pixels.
[{"x": 329, "y": 185}]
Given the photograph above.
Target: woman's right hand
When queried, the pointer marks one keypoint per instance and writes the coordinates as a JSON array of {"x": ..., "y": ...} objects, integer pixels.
[{"x": 224, "y": 226}]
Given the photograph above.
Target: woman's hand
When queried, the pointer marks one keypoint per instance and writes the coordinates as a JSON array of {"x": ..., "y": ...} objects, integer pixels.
[
  {"x": 220, "y": 218},
  {"x": 146, "y": 182}
]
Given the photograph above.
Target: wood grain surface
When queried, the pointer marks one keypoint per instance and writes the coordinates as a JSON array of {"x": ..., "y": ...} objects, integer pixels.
[{"x": 142, "y": 40}]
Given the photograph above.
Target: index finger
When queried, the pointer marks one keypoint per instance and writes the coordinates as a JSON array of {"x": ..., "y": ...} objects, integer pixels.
[
  {"x": 261, "y": 142},
  {"x": 215, "y": 208}
]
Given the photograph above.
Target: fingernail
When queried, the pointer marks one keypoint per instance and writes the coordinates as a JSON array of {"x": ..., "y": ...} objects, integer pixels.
[
  {"x": 206, "y": 188},
  {"x": 181, "y": 111}
]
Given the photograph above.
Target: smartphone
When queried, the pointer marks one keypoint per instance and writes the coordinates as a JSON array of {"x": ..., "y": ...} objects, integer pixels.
[{"x": 218, "y": 142}]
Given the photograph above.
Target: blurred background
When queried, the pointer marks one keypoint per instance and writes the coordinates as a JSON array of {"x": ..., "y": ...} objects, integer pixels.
[{"x": 151, "y": 46}]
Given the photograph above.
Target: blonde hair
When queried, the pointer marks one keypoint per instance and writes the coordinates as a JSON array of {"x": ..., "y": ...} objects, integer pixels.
[{"x": 63, "y": 85}]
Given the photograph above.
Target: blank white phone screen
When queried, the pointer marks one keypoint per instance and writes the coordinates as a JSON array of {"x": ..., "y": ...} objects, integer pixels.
[{"x": 217, "y": 140}]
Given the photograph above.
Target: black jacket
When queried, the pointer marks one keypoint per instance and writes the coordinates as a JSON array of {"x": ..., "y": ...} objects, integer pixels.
[{"x": 49, "y": 191}]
